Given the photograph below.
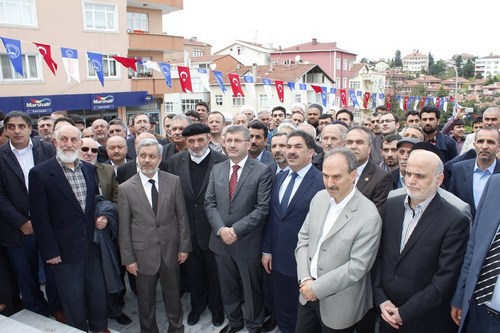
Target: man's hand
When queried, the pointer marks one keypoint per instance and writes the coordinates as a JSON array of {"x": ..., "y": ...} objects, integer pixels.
[
  {"x": 390, "y": 314},
  {"x": 305, "y": 289},
  {"x": 182, "y": 256},
  {"x": 132, "y": 268},
  {"x": 101, "y": 222},
  {"x": 228, "y": 235},
  {"x": 267, "y": 262},
  {"x": 456, "y": 315},
  {"x": 27, "y": 228},
  {"x": 460, "y": 113},
  {"x": 54, "y": 261}
]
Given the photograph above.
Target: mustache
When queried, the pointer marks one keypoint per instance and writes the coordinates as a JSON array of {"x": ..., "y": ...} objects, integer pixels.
[{"x": 292, "y": 155}]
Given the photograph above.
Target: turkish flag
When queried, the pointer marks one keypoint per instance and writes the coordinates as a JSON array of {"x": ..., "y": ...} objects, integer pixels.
[
  {"x": 405, "y": 102},
  {"x": 422, "y": 102},
  {"x": 438, "y": 102},
  {"x": 388, "y": 103},
  {"x": 235, "y": 84},
  {"x": 317, "y": 89},
  {"x": 44, "y": 50},
  {"x": 127, "y": 62},
  {"x": 343, "y": 97},
  {"x": 279, "y": 90},
  {"x": 366, "y": 98},
  {"x": 185, "y": 78}
]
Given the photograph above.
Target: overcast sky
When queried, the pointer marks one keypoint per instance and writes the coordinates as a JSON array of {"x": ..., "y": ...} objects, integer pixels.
[{"x": 371, "y": 29}]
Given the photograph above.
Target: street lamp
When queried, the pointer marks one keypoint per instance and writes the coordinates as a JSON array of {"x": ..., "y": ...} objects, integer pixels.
[{"x": 456, "y": 87}]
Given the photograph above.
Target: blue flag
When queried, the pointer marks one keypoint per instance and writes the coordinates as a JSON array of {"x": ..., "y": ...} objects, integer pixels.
[
  {"x": 333, "y": 90},
  {"x": 374, "y": 100},
  {"x": 96, "y": 60},
  {"x": 13, "y": 48},
  {"x": 410, "y": 101},
  {"x": 165, "y": 68},
  {"x": 303, "y": 86},
  {"x": 266, "y": 82},
  {"x": 354, "y": 100},
  {"x": 358, "y": 93},
  {"x": 291, "y": 85},
  {"x": 381, "y": 96},
  {"x": 220, "y": 80},
  {"x": 248, "y": 78}
]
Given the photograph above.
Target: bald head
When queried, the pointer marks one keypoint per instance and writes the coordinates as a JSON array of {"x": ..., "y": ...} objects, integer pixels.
[
  {"x": 424, "y": 174},
  {"x": 116, "y": 147},
  {"x": 143, "y": 136}
]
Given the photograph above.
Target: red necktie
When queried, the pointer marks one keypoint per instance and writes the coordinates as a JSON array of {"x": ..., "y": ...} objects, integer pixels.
[{"x": 233, "y": 181}]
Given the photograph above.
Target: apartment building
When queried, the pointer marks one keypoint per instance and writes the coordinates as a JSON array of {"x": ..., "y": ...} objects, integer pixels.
[{"x": 488, "y": 66}]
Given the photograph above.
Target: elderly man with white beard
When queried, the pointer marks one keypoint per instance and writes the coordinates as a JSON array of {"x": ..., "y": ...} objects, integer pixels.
[{"x": 62, "y": 206}]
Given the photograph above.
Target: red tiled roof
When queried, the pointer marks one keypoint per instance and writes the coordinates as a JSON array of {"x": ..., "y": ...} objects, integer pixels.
[{"x": 314, "y": 45}]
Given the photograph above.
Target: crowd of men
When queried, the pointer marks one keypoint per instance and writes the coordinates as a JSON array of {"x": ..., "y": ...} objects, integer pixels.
[{"x": 298, "y": 218}]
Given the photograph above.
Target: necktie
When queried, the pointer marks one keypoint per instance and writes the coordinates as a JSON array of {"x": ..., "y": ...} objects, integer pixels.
[
  {"x": 154, "y": 196},
  {"x": 489, "y": 273},
  {"x": 288, "y": 193},
  {"x": 233, "y": 181}
]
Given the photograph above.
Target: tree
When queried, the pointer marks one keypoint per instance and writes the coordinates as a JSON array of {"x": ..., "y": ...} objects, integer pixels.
[
  {"x": 397, "y": 59},
  {"x": 419, "y": 90},
  {"x": 431, "y": 62},
  {"x": 442, "y": 92},
  {"x": 458, "y": 63},
  {"x": 438, "y": 69},
  {"x": 468, "y": 70},
  {"x": 364, "y": 61}
]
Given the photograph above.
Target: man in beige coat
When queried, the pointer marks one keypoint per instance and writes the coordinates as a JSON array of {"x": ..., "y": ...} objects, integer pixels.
[
  {"x": 154, "y": 235},
  {"x": 337, "y": 246}
]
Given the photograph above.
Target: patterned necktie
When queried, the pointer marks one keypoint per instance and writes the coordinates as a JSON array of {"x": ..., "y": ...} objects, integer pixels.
[
  {"x": 489, "y": 273},
  {"x": 233, "y": 181},
  {"x": 288, "y": 193},
  {"x": 154, "y": 196}
]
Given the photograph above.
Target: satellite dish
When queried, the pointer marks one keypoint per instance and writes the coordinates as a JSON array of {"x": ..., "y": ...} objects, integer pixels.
[
  {"x": 297, "y": 58},
  {"x": 213, "y": 66}
]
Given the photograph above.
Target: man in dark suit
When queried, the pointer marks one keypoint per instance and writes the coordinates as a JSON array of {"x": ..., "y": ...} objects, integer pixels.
[
  {"x": 278, "y": 149},
  {"x": 193, "y": 166},
  {"x": 140, "y": 124},
  {"x": 476, "y": 303},
  {"x": 258, "y": 141},
  {"x": 178, "y": 144},
  {"x": 284, "y": 222},
  {"x": 62, "y": 205},
  {"x": 17, "y": 157},
  {"x": 237, "y": 214},
  {"x": 423, "y": 243},
  {"x": 332, "y": 136},
  {"x": 154, "y": 236},
  {"x": 469, "y": 177},
  {"x": 429, "y": 119},
  {"x": 371, "y": 180}
]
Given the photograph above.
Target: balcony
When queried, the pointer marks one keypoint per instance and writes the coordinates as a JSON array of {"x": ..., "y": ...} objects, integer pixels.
[
  {"x": 141, "y": 41},
  {"x": 166, "y": 6},
  {"x": 154, "y": 86}
]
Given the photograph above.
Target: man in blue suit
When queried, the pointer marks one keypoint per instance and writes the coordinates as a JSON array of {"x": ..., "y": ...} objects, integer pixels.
[
  {"x": 469, "y": 177},
  {"x": 291, "y": 195},
  {"x": 258, "y": 141},
  {"x": 62, "y": 199},
  {"x": 476, "y": 303}
]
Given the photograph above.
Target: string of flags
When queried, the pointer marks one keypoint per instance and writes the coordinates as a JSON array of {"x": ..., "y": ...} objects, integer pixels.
[{"x": 348, "y": 97}]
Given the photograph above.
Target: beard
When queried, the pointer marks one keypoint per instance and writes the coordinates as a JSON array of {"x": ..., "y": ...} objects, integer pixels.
[
  {"x": 199, "y": 153},
  {"x": 66, "y": 156}
]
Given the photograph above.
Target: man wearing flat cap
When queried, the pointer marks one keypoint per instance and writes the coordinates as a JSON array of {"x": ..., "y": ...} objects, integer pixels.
[{"x": 193, "y": 166}]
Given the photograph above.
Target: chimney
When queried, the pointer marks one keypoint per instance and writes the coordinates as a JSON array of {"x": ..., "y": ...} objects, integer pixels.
[
  {"x": 194, "y": 39},
  {"x": 314, "y": 41}
]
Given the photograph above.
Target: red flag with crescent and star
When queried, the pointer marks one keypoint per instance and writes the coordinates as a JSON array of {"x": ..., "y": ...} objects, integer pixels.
[
  {"x": 317, "y": 89},
  {"x": 405, "y": 102},
  {"x": 366, "y": 98},
  {"x": 343, "y": 97},
  {"x": 388, "y": 103},
  {"x": 422, "y": 102},
  {"x": 185, "y": 79},
  {"x": 438, "y": 102},
  {"x": 279, "y": 89},
  {"x": 44, "y": 50},
  {"x": 127, "y": 62},
  {"x": 235, "y": 84}
]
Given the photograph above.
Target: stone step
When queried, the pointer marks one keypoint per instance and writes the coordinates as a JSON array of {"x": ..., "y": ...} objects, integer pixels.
[
  {"x": 9, "y": 325},
  {"x": 43, "y": 324}
]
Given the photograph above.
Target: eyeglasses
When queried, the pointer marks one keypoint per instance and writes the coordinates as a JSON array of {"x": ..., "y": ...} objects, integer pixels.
[
  {"x": 93, "y": 150},
  {"x": 386, "y": 121}
]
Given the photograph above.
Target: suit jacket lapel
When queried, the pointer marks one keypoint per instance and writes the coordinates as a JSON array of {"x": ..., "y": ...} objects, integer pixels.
[
  {"x": 62, "y": 182},
  {"x": 211, "y": 163},
  {"x": 365, "y": 176},
  {"x": 247, "y": 168},
  {"x": 304, "y": 186},
  {"x": 469, "y": 174},
  {"x": 345, "y": 215},
  {"x": 279, "y": 179},
  {"x": 137, "y": 187},
  {"x": 423, "y": 224},
  {"x": 185, "y": 170},
  {"x": 91, "y": 179},
  {"x": 11, "y": 160}
]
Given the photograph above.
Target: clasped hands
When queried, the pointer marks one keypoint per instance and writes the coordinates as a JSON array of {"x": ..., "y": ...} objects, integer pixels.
[{"x": 228, "y": 235}]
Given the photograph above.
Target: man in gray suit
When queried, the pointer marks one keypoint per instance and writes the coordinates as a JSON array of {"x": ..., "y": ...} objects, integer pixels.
[
  {"x": 154, "y": 235},
  {"x": 336, "y": 249},
  {"x": 237, "y": 214}
]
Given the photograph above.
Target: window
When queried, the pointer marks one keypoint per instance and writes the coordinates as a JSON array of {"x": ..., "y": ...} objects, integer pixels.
[
  {"x": 264, "y": 101},
  {"x": 219, "y": 100},
  {"x": 197, "y": 84},
  {"x": 169, "y": 107},
  {"x": 31, "y": 68},
  {"x": 344, "y": 83},
  {"x": 338, "y": 64},
  {"x": 238, "y": 100},
  {"x": 109, "y": 68},
  {"x": 297, "y": 98},
  {"x": 189, "y": 104},
  {"x": 137, "y": 21},
  {"x": 18, "y": 12},
  {"x": 142, "y": 71},
  {"x": 198, "y": 53},
  {"x": 100, "y": 17},
  {"x": 345, "y": 65}
]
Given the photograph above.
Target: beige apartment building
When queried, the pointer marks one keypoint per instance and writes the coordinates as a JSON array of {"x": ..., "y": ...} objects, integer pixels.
[{"x": 125, "y": 28}]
